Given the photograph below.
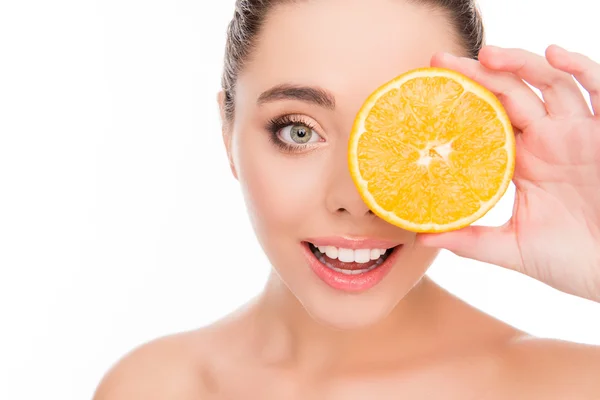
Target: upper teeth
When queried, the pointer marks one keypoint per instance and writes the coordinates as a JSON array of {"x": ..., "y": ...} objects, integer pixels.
[{"x": 349, "y": 255}]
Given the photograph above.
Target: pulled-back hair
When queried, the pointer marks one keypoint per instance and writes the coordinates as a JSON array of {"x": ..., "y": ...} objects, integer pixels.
[{"x": 250, "y": 15}]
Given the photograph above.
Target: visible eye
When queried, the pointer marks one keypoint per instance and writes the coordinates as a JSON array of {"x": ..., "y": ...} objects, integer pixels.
[{"x": 298, "y": 133}]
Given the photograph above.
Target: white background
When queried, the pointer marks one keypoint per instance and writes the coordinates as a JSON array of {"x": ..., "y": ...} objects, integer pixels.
[{"x": 119, "y": 220}]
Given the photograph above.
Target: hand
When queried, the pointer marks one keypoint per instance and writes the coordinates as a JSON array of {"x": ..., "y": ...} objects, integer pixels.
[{"x": 554, "y": 232}]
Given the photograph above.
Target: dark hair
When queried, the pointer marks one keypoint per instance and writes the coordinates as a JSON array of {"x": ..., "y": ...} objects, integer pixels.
[{"x": 250, "y": 15}]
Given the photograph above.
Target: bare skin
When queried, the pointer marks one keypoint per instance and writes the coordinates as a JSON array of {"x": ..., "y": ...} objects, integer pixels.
[
  {"x": 476, "y": 357},
  {"x": 406, "y": 337}
]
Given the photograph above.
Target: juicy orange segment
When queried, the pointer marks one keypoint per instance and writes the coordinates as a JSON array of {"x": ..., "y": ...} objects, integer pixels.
[{"x": 431, "y": 151}]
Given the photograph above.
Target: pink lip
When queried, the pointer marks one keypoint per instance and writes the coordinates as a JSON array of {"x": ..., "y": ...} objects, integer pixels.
[
  {"x": 353, "y": 243},
  {"x": 350, "y": 283}
]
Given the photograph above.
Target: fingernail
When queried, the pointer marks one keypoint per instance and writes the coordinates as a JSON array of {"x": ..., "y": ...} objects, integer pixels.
[
  {"x": 492, "y": 48},
  {"x": 445, "y": 56},
  {"x": 559, "y": 48},
  {"x": 426, "y": 239}
]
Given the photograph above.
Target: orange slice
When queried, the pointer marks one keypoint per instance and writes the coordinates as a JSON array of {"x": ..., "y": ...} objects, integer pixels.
[{"x": 431, "y": 151}]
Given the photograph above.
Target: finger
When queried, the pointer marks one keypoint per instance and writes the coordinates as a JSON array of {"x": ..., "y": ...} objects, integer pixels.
[
  {"x": 492, "y": 245},
  {"x": 585, "y": 70},
  {"x": 522, "y": 105},
  {"x": 561, "y": 94}
]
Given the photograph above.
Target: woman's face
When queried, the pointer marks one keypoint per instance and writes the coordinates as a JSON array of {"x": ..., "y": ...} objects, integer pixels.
[{"x": 296, "y": 99}]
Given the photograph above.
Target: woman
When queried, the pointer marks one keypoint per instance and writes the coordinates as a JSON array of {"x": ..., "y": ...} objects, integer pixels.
[{"x": 296, "y": 73}]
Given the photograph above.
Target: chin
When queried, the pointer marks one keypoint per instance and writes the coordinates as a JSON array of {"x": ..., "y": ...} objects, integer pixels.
[
  {"x": 350, "y": 314},
  {"x": 351, "y": 294},
  {"x": 360, "y": 310},
  {"x": 349, "y": 301}
]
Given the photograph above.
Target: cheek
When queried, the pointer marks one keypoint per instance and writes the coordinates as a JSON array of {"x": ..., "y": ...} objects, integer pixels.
[{"x": 282, "y": 192}]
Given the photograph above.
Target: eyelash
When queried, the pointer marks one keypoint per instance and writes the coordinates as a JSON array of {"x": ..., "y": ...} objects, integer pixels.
[{"x": 275, "y": 125}]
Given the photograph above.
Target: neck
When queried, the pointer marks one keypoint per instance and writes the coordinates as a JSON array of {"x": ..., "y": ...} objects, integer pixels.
[{"x": 288, "y": 334}]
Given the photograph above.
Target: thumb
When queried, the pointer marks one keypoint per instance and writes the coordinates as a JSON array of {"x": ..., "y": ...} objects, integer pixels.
[{"x": 492, "y": 245}]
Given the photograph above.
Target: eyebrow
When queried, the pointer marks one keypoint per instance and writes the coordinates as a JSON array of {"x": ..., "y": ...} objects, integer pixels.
[{"x": 314, "y": 95}]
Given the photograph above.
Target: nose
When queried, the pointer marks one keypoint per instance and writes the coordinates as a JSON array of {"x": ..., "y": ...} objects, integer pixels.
[{"x": 342, "y": 196}]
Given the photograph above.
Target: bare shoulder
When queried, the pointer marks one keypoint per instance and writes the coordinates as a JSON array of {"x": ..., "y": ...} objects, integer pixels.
[
  {"x": 552, "y": 369},
  {"x": 171, "y": 367}
]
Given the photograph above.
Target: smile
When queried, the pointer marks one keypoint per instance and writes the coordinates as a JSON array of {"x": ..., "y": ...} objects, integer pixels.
[
  {"x": 351, "y": 265},
  {"x": 348, "y": 261}
]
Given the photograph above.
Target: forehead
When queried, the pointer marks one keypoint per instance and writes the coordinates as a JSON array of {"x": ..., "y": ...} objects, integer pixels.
[{"x": 348, "y": 47}]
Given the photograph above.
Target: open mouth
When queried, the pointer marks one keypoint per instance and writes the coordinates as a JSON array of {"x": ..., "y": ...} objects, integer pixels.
[
  {"x": 349, "y": 261},
  {"x": 351, "y": 269}
]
